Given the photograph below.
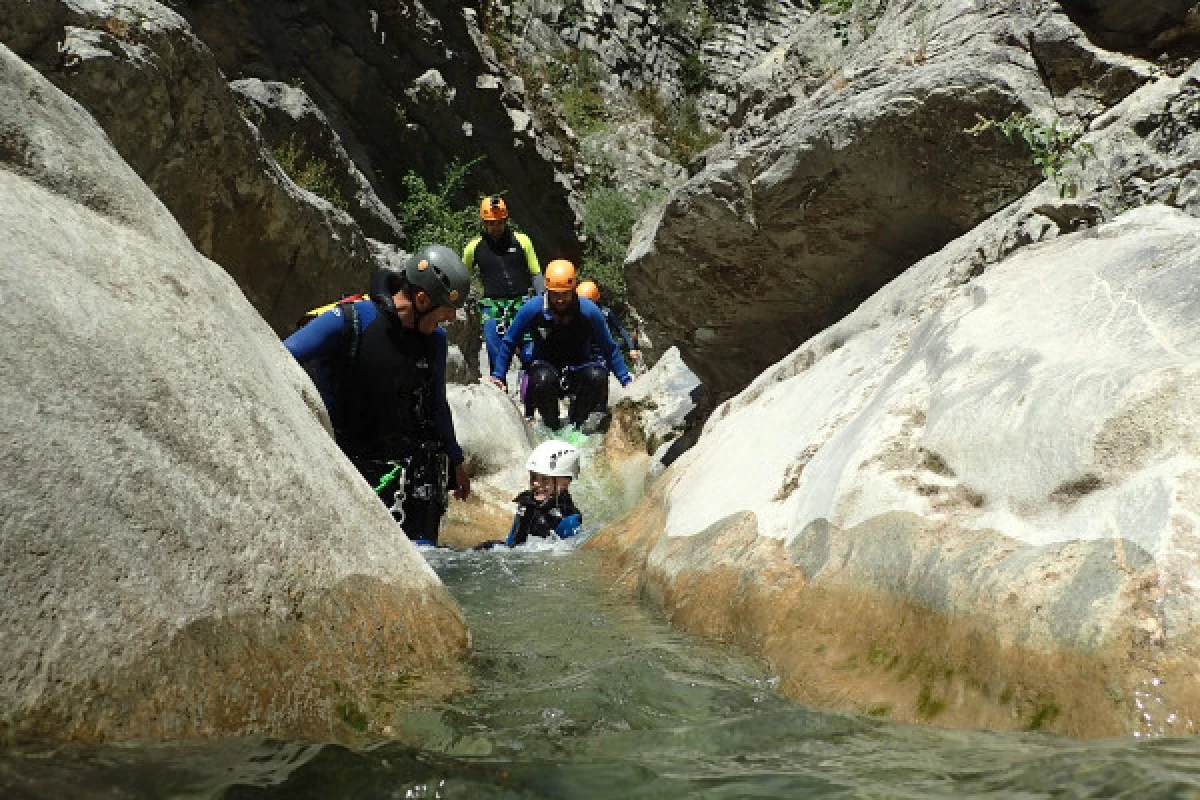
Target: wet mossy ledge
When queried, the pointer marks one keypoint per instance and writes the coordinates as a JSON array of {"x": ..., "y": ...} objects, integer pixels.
[
  {"x": 971, "y": 502},
  {"x": 844, "y": 641},
  {"x": 347, "y": 663}
]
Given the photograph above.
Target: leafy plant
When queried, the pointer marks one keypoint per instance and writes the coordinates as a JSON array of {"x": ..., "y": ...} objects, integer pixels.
[
  {"x": 608, "y": 219},
  {"x": 693, "y": 73},
  {"x": 1057, "y": 152},
  {"x": 434, "y": 215},
  {"x": 308, "y": 172},
  {"x": 575, "y": 84},
  {"x": 679, "y": 125},
  {"x": 853, "y": 15}
]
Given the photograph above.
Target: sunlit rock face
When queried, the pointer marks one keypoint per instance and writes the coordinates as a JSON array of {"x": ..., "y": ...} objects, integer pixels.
[
  {"x": 186, "y": 552},
  {"x": 1008, "y": 465},
  {"x": 802, "y": 214}
]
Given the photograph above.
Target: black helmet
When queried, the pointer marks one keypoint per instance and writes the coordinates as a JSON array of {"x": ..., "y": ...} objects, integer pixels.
[{"x": 440, "y": 273}]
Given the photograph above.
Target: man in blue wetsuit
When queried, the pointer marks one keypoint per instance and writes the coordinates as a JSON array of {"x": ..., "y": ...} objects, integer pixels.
[
  {"x": 380, "y": 365},
  {"x": 566, "y": 328}
]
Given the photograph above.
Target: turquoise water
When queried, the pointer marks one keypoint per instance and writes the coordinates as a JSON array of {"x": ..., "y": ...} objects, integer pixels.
[{"x": 582, "y": 693}]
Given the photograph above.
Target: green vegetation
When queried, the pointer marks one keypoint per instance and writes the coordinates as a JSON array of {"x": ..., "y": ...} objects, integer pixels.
[
  {"x": 693, "y": 73},
  {"x": 678, "y": 125},
  {"x": 1044, "y": 714},
  {"x": 575, "y": 83},
  {"x": 308, "y": 172},
  {"x": 1057, "y": 152},
  {"x": 353, "y": 717},
  {"x": 608, "y": 220},
  {"x": 929, "y": 706},
  {"x": 434, "y": 215},
  {"x": 853, "y": 15}
]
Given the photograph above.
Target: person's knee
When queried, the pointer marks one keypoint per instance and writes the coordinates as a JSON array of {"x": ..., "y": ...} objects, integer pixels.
[
  {"x": 593, "y": 377},
  {"x": 542, "y": 378}
]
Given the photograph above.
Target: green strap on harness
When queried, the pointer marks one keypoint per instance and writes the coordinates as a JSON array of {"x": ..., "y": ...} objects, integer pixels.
[
  {"x": 500, "y": 308},
  {"x": 390, "y": 478}
]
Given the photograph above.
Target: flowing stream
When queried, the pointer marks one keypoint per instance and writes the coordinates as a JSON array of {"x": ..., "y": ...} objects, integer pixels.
[{"x": 582, "y": 693}]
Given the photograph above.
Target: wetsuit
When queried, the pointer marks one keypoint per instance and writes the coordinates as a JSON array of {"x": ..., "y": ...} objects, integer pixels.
[
  {"x": 552, "y": 517},
  {"x": 385, "y": 391},
  {"x": 619, "y": 334},
  {"x": 570, "y": 356},
  {"x": 509, "y": 271}
]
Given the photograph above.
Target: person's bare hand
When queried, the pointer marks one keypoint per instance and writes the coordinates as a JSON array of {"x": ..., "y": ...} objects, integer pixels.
[
  {"x": 463, "y": 490},
  {"x": 499, "y": 384}
]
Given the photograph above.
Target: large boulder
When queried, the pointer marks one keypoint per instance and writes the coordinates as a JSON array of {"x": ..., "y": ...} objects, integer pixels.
[
  {"x": 186, "y": 552},
  {"x": 970, "y": 502},
  {"x": 1144, "y": 26},
  {"x": 800, "y": 216},
  {"x": 294, "y": 126},
  {"x": 407, "y": 85},
  {"x": 156, "y": 88}
]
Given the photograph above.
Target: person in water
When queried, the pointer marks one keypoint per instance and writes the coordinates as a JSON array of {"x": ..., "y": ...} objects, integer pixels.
[
  {"x": 380, "y": 365},
  {"x": 546, "y": 510},
  {"x": 573, "y": 352}
]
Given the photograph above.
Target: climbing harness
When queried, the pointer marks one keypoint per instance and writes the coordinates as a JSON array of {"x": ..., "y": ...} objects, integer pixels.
[
  {"x": 504, "y": 311},
  {"x": 398, "y": 474}
]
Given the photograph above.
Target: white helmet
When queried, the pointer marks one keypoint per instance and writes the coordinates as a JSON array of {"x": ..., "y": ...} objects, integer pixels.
[{"x": 554, "y": 458}]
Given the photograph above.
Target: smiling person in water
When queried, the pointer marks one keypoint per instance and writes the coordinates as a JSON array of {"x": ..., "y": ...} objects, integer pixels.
[{"x": 546, "y": 509}]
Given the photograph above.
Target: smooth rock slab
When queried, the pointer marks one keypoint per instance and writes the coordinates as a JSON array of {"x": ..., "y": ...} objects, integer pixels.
[
  {"x": 972, "y": 502},
  {"x": 185, "y": 551}
]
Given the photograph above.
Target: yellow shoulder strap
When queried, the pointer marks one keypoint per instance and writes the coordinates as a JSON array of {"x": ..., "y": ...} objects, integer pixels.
[{"x": 469, "y": 252}]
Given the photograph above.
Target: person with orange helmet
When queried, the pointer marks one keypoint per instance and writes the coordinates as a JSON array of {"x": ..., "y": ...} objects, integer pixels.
[
  {"x": 508, "y": 268},
  {"x": 591, "y": 291},
  {"x": 572, "y": 354}
]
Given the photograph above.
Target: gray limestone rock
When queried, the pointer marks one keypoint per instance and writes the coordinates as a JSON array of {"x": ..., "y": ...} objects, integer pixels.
[
  {"x": 289, "y": 120},
  {"x": 142, "y": 73},
  {"x": 186, "y": 551},
  {"x": 793, "y": 223}
]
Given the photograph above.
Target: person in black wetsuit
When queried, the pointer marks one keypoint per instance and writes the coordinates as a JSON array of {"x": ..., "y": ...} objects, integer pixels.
[
  {"x": 628, "y": 343},
  {"x": 508, "y": 269},
  {"x": 380, "y": 365},
  {"x": 545, "y": 509}
]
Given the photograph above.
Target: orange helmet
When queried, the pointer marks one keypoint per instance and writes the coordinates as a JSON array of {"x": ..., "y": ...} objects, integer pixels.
[
  {"x": 493, "y": 208},
  {"x": 560, "y": 276},
  {"x": 590, "y": 290}
]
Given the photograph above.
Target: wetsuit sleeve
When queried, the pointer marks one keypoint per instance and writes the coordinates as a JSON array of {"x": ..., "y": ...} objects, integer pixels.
[
  {"x": 319, "y": 338},
  {"x": 513, "y": 337},
  {"x": 512, "y": 532},
  {"x": 617, "y": 329},
  {"x": 469, "y": 252},
  {"x": 602, "y": 338},
  {"x": 531, "y": 259},
  {"x": 443, "y": 421}
]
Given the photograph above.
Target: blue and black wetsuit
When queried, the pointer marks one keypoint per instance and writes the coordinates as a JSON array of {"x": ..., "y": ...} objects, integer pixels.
[
  {"x": 385, "y": 391},
  {"x": 572, "y": 355},
  {"x": 552, "y": 517}
]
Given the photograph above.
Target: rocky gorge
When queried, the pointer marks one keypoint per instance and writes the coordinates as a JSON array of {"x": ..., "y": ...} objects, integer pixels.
[{"x": 932, "y": 261}]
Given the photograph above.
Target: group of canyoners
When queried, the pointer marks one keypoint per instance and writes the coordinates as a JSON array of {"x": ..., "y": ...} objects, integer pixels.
[{"x": 379, "y": 362}]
